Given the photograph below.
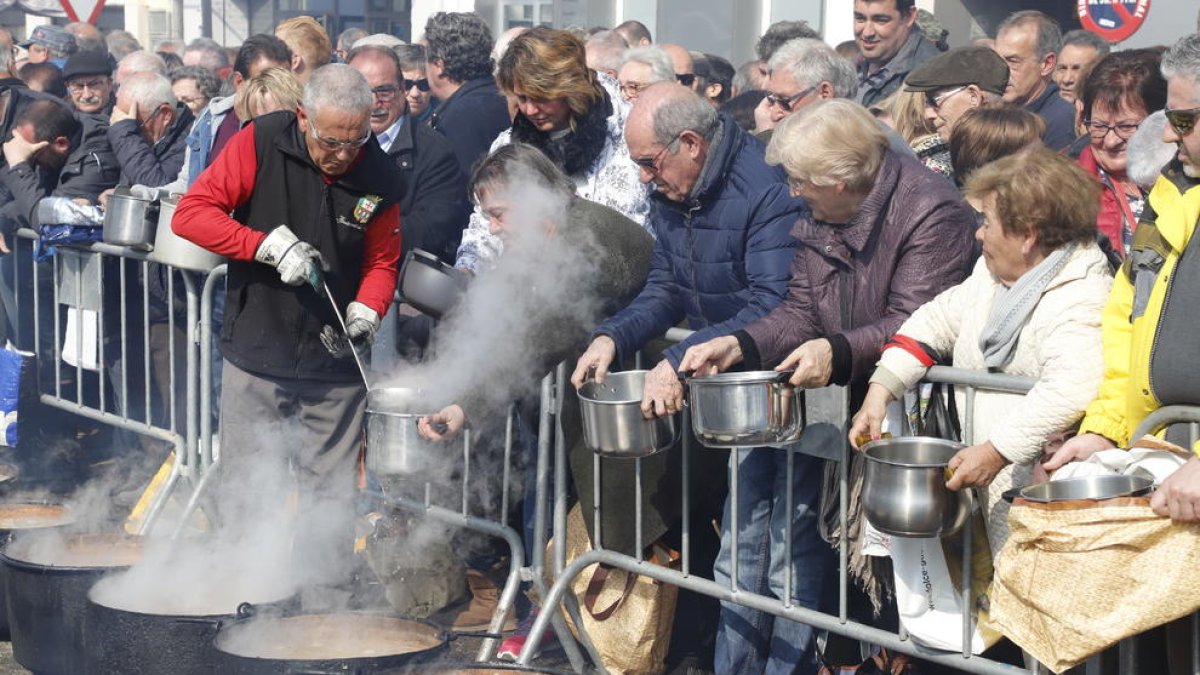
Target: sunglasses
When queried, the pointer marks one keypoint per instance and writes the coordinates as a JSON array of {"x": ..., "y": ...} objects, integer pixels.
[
  {"x": 421, "y": 84},
  {"x": 1182, "y": 121},
  {"x": 785, "y": 102},
  {"x": 686, "y": 79}
]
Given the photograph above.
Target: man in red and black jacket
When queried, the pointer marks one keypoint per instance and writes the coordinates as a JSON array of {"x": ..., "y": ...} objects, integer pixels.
[{"x": 314, "y": 205}]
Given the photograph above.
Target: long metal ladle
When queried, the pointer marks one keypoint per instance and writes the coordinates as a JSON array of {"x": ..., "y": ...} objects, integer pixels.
[{"x": 342, "y": 322}]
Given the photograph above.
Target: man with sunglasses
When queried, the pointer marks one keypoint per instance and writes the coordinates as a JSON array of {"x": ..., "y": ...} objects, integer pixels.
[
  {"x": 415, "y": 84},
  {"x": 315, "y": 221},
  {"x": 1149, "y": 323},
  {"x": 683, "y": 64}
]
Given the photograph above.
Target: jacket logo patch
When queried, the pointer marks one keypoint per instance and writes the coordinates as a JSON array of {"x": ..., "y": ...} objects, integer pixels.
[{"x": 365, "y": 208}]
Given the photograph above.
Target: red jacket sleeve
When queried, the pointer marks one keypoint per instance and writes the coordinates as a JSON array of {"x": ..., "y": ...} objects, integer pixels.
[
  {"x": 202, "y": 216},
  {"x": 381, "y": 256}
]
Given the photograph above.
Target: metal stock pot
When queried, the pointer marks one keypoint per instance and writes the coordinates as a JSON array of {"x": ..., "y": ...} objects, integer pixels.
[
  {"x": 613, "y": 424},
  {"x": 129, "y": 220},
  {"x": 1088, "y": 487},
  {"x": 394, "y": 447},
  {"x": 904, "y": 490},
  {"x": 172, "y": 249},
  {"x": 745, "y": 410}
]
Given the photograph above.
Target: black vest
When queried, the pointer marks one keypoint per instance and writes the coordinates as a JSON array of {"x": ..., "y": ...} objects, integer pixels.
[{"x": 271, "y": 328}]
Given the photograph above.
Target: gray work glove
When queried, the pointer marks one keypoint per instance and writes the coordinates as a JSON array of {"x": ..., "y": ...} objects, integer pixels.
[
  {"x": 361, "y": 324},
  {"x": 296, "y": 261}
]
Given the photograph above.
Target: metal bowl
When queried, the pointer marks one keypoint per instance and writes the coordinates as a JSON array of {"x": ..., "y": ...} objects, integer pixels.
[
  {"x": 745, "y": 410},
  {"x": 613, "y": 425},
  {"x": 904, "y": 489},
  {"x": 1090, "y": 487},
  {"x": 429, "y": 284},
  {"x": 129, "y": 220}
]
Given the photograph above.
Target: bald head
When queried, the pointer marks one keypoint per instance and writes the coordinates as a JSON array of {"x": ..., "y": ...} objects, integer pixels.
[
  {"x": 668, "y": 133},
  {"x": 681, "y": 59}
]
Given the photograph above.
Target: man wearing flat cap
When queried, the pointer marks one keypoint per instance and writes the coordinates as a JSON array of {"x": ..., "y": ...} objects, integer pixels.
[
  {"x": 88, "y": 75},
  {"x": 957, "y": 81},
  {"x": 50, "y": 43}
]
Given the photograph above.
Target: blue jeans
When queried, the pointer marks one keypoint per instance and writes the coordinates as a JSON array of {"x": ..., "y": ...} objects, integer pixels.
[{"x": 750, "y": 641}]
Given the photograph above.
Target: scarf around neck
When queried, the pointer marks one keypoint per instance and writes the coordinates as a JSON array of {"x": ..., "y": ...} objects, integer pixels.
[{"x": 1012, "y": 307}]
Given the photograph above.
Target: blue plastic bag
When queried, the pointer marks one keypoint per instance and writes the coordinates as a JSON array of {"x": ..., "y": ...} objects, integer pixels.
[{"x": 17, "y": 385}]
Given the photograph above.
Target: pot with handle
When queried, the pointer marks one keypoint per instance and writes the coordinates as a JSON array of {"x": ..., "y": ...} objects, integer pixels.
[
  {"x": 429, "y": 284},
  {"x": 904, "y": 490},
  {"x": 613, "y": 424},
  {"x": 394, "y": 446},
  {"x": 172, "y": 249},
  {"x": 129, "y": 220},
  {"x": 746, "y": 410}
]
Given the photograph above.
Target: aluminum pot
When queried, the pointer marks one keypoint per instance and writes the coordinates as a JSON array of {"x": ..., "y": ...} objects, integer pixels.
[
  {"x": 904, "y": 490},
  {"x": 172, "y": 249},
  {"x": 745, "y": 410},
  {"x": 1089, "y": 487},
  {"x": 394, "y": 447},
  {"x": 47, "y": 577},
  {"x": 613, "y": 425},
  {"x": 129, "y": 220},
  {"x": 429, "y": 284}
]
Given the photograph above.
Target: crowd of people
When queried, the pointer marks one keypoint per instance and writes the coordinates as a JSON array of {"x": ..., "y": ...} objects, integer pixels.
[{"x": 851, "y": 214}]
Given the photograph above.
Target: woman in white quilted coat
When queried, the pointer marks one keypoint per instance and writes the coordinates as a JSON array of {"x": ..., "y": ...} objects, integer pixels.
[
  {"x": 1031, "y": 307},
  {"x": 576, "y": 117}
]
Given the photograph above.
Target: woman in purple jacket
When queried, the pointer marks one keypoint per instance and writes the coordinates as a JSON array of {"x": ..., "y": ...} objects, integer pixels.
[{"x": 883, "y": 236}]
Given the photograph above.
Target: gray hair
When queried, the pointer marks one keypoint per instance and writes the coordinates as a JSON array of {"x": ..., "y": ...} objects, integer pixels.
[
  {"x": 379, "y": 40},
  {"x": 1049, "y": 35},
  {"x": 1086, "y": 38},
  {"x": 689, "y": 112},
  {"x": 215, "y": 57},
  {"x": 168, "y": 44},
  {"x": 606, "y": 50},
  {"x": 350, "y": 36},
  {"x": 206, "y": 81},
  {"x": 1183, "y": 59},
  {"x": 142, "y": 61},
  {"x": 340, "y": 87},
  {"x": 748, "y": 77},
  {"x": 122, "y": 43},
  {"x": 519, "y": 164},
  {"x": 149, "y": 90},
  {"x": 412, "y": 57},
  {"x": 812, "y": 62},
  {"x": 656, "y": 59},
  {"x": 1146, "y": 153}
]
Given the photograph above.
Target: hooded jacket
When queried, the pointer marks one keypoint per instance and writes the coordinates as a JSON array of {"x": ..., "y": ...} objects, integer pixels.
[{"x": 720, "y": 260}]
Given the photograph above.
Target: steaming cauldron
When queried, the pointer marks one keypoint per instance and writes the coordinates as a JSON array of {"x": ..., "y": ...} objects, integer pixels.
[
  {"x": 341, "y": 642},
  {"x": 47, "y": 579},
  {"x": 133, "y": 642},
  {"x": 22, "y": 517}
]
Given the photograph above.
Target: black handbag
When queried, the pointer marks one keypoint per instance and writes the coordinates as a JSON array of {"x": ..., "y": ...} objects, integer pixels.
[{"x": 941, "y": 415}]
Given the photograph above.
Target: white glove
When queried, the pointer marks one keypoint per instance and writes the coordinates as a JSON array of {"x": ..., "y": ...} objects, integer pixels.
[
  {"x": 361, "y": 324},
  {"x": 295, "y": 260}
]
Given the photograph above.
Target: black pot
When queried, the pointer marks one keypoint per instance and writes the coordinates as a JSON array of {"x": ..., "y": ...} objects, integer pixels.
[
  {"x": 236, "y": 645},
  {"x": 141, "y": 643},
  {"x": 46, "y": 604},
  {"x": 6, "y": 533},
  {"x": 429, "y": 284}
]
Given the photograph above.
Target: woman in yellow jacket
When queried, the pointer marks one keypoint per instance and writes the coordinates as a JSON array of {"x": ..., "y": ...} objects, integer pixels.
[{"x": 1151, "y": 341}]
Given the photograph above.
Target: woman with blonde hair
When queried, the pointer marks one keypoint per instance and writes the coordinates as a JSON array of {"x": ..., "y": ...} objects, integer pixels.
[
  {"x": 905, "y": 112},
  {"x": 575, "y": 117},
  {"x": 271, "y": 90}
]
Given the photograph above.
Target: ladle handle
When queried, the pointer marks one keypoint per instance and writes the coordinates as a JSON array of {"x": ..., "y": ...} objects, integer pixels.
[{"x": 342, "y": 322}]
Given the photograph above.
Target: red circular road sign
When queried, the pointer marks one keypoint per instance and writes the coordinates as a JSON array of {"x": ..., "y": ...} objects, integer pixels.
[{"x": 1113, "y": 20}]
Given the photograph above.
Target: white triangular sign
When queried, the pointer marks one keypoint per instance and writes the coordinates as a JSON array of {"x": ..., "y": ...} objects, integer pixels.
[{"x": 83, "y": 10}]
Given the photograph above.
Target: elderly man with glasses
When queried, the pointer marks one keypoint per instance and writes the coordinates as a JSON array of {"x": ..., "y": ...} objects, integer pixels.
[
  {"x": 148, "y": 130},
  {"x": 962, "y": 79},
  {"x": 314, "y": 237},
  {"x": 89, "y": 81}
]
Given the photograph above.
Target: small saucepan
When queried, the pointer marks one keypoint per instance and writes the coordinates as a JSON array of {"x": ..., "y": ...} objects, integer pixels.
[{"x": 429, "y": 284}]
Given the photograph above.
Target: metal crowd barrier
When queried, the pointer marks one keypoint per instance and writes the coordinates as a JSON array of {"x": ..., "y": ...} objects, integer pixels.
[
  {"x": 82, "y": 278},
  {"x": 968, "y": 381}
]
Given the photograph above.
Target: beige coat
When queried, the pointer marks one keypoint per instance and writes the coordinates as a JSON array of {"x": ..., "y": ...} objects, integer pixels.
[{"x": 1059, "y": 346}]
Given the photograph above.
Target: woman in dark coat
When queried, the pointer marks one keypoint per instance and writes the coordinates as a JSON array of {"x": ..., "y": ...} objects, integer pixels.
[{"x": 883, "y": 236}]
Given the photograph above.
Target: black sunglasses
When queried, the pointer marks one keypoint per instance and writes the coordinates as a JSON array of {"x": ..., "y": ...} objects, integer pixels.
[
  {"x": 686, "y": 79},
  {"x": 422, "y": 84},
  {"x": 1183, "y": 121}
]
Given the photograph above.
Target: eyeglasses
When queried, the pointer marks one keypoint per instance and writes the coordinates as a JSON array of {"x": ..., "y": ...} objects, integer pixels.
[
  {"x": 936, "y": 102},
  {"x": 650, "y": 164},
  {"x": 1182, "y": 121},
  {"x": 631, "y": 89},
  {"x": 686, "y": 79},
  {"x": 785, "y": 102},
  {"x": 385, "y": 93},
  {"x": 78, "y": 86},
  {"x": 421, "y": 84},
  {"x": 333, "y": 144},
  {"x": 1099, "y": 130}
]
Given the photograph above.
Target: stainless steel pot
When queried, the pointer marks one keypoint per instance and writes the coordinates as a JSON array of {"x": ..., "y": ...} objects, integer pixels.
[
  {"x": 1089, "y": 487},
  {"x": 904, "y": 490},
  {"x": 129, "y": 220},
  {"x": 745, "y": 410},
  {"x": 172, "y": 249},
  {"x": 394, "y": 447},
  {"x": 613, "y": 424},
  {"x": 429, "y": 284}
]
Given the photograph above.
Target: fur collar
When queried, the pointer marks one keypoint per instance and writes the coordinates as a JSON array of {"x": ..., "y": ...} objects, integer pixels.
[{"x": 576, "y": 152}]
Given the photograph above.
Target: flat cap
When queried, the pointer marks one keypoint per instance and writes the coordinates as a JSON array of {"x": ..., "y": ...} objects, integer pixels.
[
  {"x": 88, "y": 62},
  {"x": 52, "y": 37},
  {"x": 980, "y": 66}
]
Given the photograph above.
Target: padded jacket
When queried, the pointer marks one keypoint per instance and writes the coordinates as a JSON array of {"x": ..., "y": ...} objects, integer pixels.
[{"x": 721, "y": 259}]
